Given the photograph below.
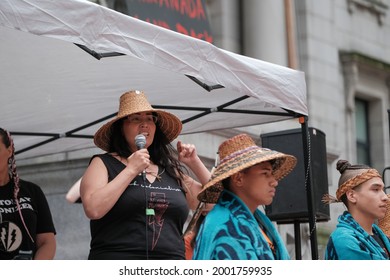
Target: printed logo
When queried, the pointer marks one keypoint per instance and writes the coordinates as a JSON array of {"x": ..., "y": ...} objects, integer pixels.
[
  {"x": 158, "y": 202},
  {"x": 10, "y": 237}
]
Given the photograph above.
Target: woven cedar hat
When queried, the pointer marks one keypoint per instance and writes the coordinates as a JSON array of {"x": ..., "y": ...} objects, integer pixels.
[
  {"x": 384, "y": 223},
  {"x": 239, "y": 153},
  {"x": 351, "y": 177},
  {"x": 132, "y": 102}
]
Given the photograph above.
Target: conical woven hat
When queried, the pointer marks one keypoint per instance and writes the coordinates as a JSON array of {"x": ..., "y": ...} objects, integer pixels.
[
  {"x": 239, "y": 153},
  {"x": 133, "y": 102},
  {"x": 384, "y": 223}
]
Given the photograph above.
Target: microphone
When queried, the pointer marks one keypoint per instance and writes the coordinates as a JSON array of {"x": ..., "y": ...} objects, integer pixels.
[{"x": 140, "y": 142}]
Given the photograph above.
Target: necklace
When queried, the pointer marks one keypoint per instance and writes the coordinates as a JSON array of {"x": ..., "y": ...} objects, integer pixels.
[{"x": 156, "y": 174}]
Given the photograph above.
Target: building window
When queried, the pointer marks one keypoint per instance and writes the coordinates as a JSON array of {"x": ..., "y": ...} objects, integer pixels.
[
  {"x": 378, "y": 8},
  {"x": 362, "y": 132}
]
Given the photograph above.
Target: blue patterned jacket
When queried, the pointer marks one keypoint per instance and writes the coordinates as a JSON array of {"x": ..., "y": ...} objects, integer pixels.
[{"x": 231, "y": 232}]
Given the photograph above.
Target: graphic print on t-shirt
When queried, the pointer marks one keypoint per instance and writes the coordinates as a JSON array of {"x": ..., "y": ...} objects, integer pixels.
[
  {"x": 10, "y": 237},
  {"x": 10, "y": 233},
  {"x": 159, "y": 203}
]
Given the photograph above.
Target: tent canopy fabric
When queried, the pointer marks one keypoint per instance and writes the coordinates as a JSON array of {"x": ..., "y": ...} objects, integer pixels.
[{"x": 64, "y": 65}]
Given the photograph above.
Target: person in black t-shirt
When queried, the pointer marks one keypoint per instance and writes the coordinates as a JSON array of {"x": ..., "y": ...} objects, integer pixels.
[
  {"x": 138, "y": 194},
  {"x": 26, "y": 225}
]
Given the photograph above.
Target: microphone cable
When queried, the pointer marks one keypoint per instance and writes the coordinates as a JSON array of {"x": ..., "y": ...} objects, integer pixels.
[
  {"x": 140, "y": 142},
  {"x": 146, "y": 217}
]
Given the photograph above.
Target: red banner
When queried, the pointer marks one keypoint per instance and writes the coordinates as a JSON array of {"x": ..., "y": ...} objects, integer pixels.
[{"x": 188, "y": 17}]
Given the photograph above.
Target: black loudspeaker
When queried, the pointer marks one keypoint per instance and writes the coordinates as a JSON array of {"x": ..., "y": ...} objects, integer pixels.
[{"x": 290, "y": 202}]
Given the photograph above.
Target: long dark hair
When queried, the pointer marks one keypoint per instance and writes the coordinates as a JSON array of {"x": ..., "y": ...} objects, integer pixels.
[
  {"x": 161, "y": 150},
  {"x": 8, "y": 142}
]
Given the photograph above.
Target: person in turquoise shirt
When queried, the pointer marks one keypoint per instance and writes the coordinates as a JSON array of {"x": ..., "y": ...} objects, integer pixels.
[
  {"x": 357, "y": 236},
  {"x": 235, "y": 228}
]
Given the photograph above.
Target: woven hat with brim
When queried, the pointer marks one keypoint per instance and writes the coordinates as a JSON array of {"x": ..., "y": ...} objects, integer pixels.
[
  {"x": 351, "y": 177},
  {"x": 132, "y": 102},
  {"x": 384, "y": 223},
  {"x": 239, "y": 153}
]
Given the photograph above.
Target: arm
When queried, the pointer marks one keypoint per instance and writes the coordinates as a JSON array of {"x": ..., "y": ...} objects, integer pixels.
[
  {"x": 74, "y": 193},
  {"x": 189, "y": 156},
  {"x": 46, "y": 246},
  {"x": 99, "y": 195}
]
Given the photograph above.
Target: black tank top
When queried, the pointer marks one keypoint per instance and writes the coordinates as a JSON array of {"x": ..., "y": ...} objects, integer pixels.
[{"x": 125, "y": 232}]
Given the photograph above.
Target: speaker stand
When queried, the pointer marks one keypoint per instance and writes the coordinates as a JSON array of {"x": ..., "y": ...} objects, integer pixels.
[{"x": 297, "y": 239}]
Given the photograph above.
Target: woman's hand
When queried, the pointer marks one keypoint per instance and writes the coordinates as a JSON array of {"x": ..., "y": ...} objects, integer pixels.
[
  {"x": 189, "y": 156},
  {"x": 187, "y": 153},
  {"x": 139, "y": 160}
]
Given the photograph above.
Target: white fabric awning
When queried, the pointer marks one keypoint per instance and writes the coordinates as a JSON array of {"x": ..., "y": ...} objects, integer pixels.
[{"x": 54, "y": 91}]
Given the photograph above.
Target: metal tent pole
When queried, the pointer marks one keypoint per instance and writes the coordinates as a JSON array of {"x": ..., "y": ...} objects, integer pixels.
[
  {"x": 308, "y": 185},
  {"x": 297, "y": 237}
]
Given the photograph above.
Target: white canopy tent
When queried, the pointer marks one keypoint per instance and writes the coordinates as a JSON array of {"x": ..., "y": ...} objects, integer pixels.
[
  {"x": 53, "y": 89},
  {"x": 64, "y": 65}
]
